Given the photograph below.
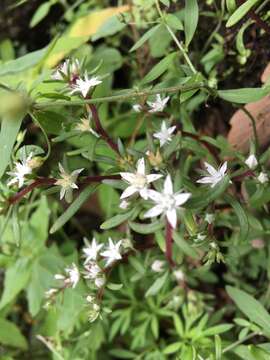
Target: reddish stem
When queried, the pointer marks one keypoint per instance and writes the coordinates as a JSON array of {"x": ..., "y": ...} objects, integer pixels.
[
  {"x": 169, "y": 243},
  {"x": 262, "y": 24},
  {"x": 100, "y": 130},
  {"x": 243, "y": 176},
  {"x": 51, "y": 181}
]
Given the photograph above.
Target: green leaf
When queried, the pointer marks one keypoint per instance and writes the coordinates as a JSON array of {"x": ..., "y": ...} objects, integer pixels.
[
  {"x": 241, "y": 214},
  {"x": 243, "y": 96},
  {"x": 73, "y": 208},
  {"x": 114, "y": 287},
  {"x": 240, "y": 12},
  {"x": 10, "y": 335},
  {"x": 41, "y": 12},
  {"x": 16, "y": 278},
  {"x": 123, "y": 354},
  {"x": 184, "y": 246},
  {"x": 218, "y": 329},
  {"x": 141, "y": 228},
  {"x": 218, "y": 347},
  {"x": 146, "y": 36},
  {"x": 156, "y": 287},
  {"x": 110, "y": 27},
  {"x": 9, "y": 130},
  {"x": 159, "y": 68},
  {"x": 108, "y": 199},
  {"x": 252, "y": 308},
  {"x": 116, "y": 220},
  {"x": 172, "y": 348},
  {"x": 191, "y": 19}
]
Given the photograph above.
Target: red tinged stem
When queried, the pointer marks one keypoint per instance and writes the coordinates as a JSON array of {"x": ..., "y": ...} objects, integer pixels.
[
  {"x": 100, "y": 130},
  {"x": 51, "y": 181},
  {"x": 169, "y": 243}
]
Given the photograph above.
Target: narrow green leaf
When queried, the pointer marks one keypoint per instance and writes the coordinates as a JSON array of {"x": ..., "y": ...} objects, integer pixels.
[
  {"x": 241, "y": 214},
  {"x": 172, "y": 348},
  {"x": 116, "y": 220},
  {"x": 218, "y": 329},
  {"x": 159, "y": 68},
  {"x": 73, "y": 208},
  {"x": 243, "y": 96},
  {"x": 191, "y": 19},
  {"x": 41, "y": 12},
  {"x": 218, "y": 347},
  {"x": 146, "y": 228},
  {"x": 158, "y": 284},
  {"x": 146, "y": 36},
  {"x": 184, "y": 246},
  {"x": 240, "y": 12},
  {"x": 9, "y": 131},
  {"x": 10, "y": 335},
  {"x": 252, "y": 308}
]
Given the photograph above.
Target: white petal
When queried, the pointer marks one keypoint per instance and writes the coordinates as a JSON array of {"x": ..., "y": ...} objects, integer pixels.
[
  {"x": 144, "y": 193},
  {"x": 168, "y": 186},
  {"x": 155, "y": 211},
  {"x": 155, "y": 196},
  {"x": 141, "y": 166},
  {"x": 172, "y": 217},
  {"x": 129, "y": 177},
  {"x": 171, "y": 129},
  {"x": 62, "y": 193},
  {"x": 212, "y": 171},
  {"x": 153, "y": 177},
  {"x": 182, "y": 198},
  {"x": 223, "y": 168},
  {"x": 205, "y": 180},
  {"x": 128, "y": 192}
]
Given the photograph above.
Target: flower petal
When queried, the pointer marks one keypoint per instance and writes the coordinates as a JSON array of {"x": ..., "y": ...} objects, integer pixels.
[
  {"x": 129, "y": 177},
  {"x": 128, "y": 192},
  {"x": 154, "y": 211},
  {"x": 210, "y": 169},
  {"x": 168, "y": 186},
  {"x": 153, "y": 177},
  {"x": 182, "y": 198},
  {"x": 172, "y": 217},
  {"x": 141, "y": 166}
]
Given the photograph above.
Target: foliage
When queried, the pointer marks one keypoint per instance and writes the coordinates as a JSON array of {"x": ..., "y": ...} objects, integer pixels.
[{"x": 157, "y": 247}]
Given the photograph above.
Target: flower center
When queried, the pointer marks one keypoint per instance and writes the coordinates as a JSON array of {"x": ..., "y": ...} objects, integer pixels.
[
  {"x": 140, "y": 181},
  {"x": 168, "y": 202}
]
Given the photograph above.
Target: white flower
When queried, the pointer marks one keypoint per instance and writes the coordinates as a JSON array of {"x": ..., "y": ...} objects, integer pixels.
[
  {"x": 22, "y": 168},
  {"x": 200, "y": 237},
  {"x": 139, "y": 181},
  {"x": 72, "y": 276},
  {"x": 113, "y": 252},
  {"x": 124, "y": 204},
  {"x": 209, "y": 218},
  {"x": 91, "y": 251},
  {"x": 83, "y": 85},
  {"x": 92, "y": 270},
  {"x": 137, "y": 108},
  {"x": 167, "y": 202},
  {"x": 158, "y": 266},
  {"x": 159, "y": 104},
  {"x": 67, "y": 70},
  {"x": 84, "y": 126},
  {"x": 251, "y": 162},
  {"x": 67, "y": 182},
  {"x": 215, "y": 176},
  {"x": 179, "y": 275},
  {"x": 164, "y": 135},
  {"x": 263, "y": 177}
]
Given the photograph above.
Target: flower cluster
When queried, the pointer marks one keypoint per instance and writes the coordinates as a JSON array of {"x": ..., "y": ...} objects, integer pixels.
[{"x": 95, "y": 265}]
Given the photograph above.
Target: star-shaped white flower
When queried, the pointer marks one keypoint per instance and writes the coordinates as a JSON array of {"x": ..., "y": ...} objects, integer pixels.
[
  {"x": 83, "y": 85},
  {"x": 67, "y": 183},
  {"x": 251, "y": 162},
  {"x": 164, "y": 135},
  {"x": 72, "y": 276},
  {"x": 91, "y": 251},
  {"x": 215, "y": 176},
  {"x": 22, "y": 168},
  {"x": 167, "y": 202},
  {"x": 112, "y": 253},
  {"x": 158, "y": 266},
  {"x": 158, "y": 105},
  {"x": 138, "y": 181}
]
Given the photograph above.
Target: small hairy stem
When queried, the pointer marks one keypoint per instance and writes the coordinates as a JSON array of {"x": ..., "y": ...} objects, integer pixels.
[
  {"x": 239, "y": 342},
  {"x": 128, "y": 95},
  {"x": 100, "y": 130},
  {"x": 169, "y": 243}
]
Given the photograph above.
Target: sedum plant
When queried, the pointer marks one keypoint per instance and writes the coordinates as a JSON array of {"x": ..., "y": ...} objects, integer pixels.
[{"x": 126, "y": 231}]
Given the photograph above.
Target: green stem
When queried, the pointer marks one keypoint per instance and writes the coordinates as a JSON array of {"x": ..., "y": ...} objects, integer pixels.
[
  {"x": 239, "y": 342},
  {"x": 45, "y": 135},
  {"x": 121, "y": 97},
  {"x": 179, "y": 45},
  {"x": 253, "y": 124}
]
